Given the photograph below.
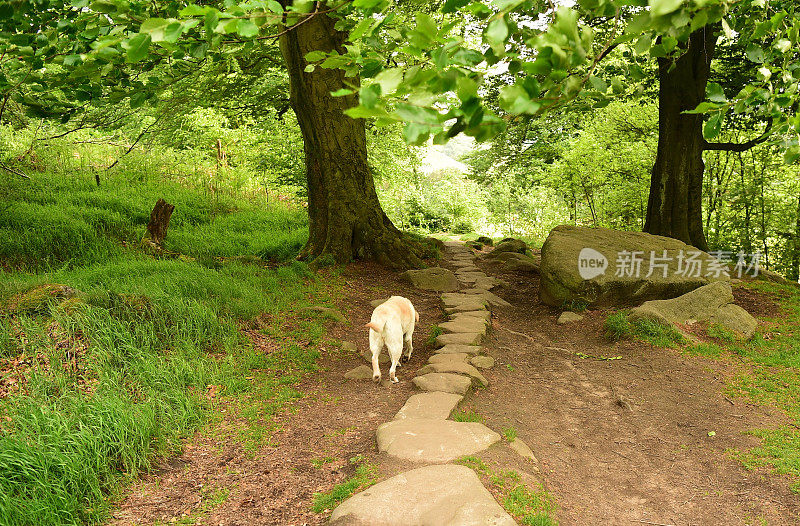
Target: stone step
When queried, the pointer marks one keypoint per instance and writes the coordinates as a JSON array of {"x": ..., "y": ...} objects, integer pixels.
[
  {"x": 426, "y": 440},
  {"x": 444, "y": 382},
  {"x": 464, "y": 324},
  {"x": 481, "y": 314},
  {"x": 444, "y": 495},
  {"x": 452, "y": 357},
  {"x": 435, "y": 405},
  {"x": 482, "y": 362},
  {"x": 464, "y": 338},
  {"x": 459, "y": 348},
  {"x": 454, "y": 366}
]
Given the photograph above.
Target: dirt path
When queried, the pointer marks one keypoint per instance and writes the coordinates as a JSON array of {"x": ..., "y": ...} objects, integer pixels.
[
  {"x": 619, "y": 442},
  {"x": 626, "y": 441}
]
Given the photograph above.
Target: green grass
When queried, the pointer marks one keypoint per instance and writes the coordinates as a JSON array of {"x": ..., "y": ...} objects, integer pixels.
[
  {"x": 529, "y": 506},
  {"x": 510, "y": 434},
  {"x": 772, "y": 378},
  {"x": 467, "y": 416},
  {"x": 365, "y": 475},
  {"x": 436, "y": 331},
  {"x": 158, "y": 341},
  {"x": 715, "y": 330},
  {"x": 618, "y": 326}
]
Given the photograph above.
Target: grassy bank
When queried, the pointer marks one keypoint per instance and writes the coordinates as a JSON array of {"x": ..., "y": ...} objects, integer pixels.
[{"x": 109, "y": 356}]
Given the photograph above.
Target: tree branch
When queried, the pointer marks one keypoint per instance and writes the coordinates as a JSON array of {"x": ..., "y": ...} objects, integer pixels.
[{"x": 738, "y": 146}]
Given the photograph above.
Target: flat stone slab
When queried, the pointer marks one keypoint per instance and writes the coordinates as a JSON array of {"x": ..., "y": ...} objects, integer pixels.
[
  {"x": 444, "y": 495},
  {"x": 470, "y": 277},
  {"x": 489, "y": 282},
  {"x": 432, "y": 406},
  {"x": 362, "y": 372},
  {"x": 445, "y": 382},
  {"x": 465, "y": 324},
  {"x": 457, "y": 367},
  {"x": 453, "y": 299},
  {"x": 482, "y": 362},
  {"x": 434, "y": 278},
  {"x": 485, "y": 295},
  {"x": 378, "y": 301},
  {"x": 466, "y": 307},
  {"x": 463, "y": 338},
  {"x": 451, "y": 357},
  {"x": 459, "y": 348},
  {"x": 482, "y": 314},
  {"x": 424, "y": 440}
]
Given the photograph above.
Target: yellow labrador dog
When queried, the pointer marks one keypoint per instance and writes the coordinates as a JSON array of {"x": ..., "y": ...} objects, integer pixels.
[{"x": 392, "y": 324}]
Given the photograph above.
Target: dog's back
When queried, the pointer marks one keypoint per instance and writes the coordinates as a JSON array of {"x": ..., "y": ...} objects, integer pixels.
[
  {"x": 392, "y": 323},
  {"x": 397, "y": 311}
]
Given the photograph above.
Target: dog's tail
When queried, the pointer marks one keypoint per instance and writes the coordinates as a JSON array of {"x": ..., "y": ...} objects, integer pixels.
[
  {"x": 416, "y": 316},
  {"x": 374, "y": 326}
]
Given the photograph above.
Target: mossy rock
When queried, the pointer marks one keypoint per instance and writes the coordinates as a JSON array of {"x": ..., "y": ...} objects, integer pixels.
[
  {"x": 38, "y": 299},
  {"x": 567, "y": 247},
  {"x": 509, "y": 245},
  {"x": 485, "y": 240}
]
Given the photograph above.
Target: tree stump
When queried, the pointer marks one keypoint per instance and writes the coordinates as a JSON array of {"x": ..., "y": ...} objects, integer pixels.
[{"x": 158, "y": 224}]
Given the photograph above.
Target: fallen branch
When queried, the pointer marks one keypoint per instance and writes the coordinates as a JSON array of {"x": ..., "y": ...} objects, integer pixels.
[{"x": 14, "y": 171}]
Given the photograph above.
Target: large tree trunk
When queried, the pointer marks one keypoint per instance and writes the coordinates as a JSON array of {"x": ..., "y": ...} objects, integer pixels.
[
  {"x": 346, "y": 220},
  {"x": 674, "y": 208}
]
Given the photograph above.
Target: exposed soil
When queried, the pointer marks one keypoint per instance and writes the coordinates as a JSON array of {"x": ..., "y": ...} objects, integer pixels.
[{"x": 622, "y": 441}]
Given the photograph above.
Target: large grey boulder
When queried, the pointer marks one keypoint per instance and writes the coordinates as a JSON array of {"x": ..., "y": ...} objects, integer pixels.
[
  {"x": 712, "y": 303},
  {"x": 443, "y": 495},
  {"x": 435, "y": 278},
  {"x": 580, "y": 264}
]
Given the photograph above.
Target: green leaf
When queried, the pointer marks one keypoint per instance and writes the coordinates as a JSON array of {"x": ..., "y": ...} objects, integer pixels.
[
  {"x": 699, "y": 20},
  {"x": 754, "y": 53},
  {"x": 426, "y": 25},
  {"x": 453, "y": 5},
  {"x": 415, "y": 134},
  {"x": 360, "y": 29},
  {"x": 369, "y": 95},
  {"x": 247, "y": 29},
  {"x": 598, "y": 84},
  {"x": 496, "y": 31},
  {"x": 664, "y": 7},
  {"x": 155, "y": 27},
  {"x": 103, "y": 6},
  {"x": 703, "y": 107},
  {"x": 315, "y": 56},
  {"x": 713, "y": 125},
  {"x": 643, "y": 44},
  {"x": 791, "y": 155},
  {"x": 136, "y": 47},
  {"x": 514, "y": 99},
  {"x": 194, "y": 10},
  {"x": 389, "y": 79},
  {"x": 715, "y": 93},
  {"x": 342, "y": 92},
  {"x": 418, "y": 114}
]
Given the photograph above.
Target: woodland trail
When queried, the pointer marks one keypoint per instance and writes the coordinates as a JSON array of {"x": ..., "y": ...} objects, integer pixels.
[{"x": 615, "y": 441}]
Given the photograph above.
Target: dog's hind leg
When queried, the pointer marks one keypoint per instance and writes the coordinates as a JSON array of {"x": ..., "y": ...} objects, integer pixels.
[
  {"x": 395, "y": 352},
  {"x": 375, "y": 345},
  {"x": 408, "y": 346}
]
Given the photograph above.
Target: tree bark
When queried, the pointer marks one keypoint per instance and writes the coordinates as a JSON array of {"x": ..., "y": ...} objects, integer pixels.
[
  {"x": 674, "y": 208},
  {"x": 159, "y": 222},
  {"x": 346, "y": 220},
  {"x": 794, "y": 272}
]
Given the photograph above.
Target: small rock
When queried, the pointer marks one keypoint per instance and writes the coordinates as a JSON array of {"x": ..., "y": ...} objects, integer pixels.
[
  {"x": 362, "y": 372},
  {"x": 523, "y": 450},
  {"x": 348, "y": 346},
  {"x": 383, "y": 357},
  {"x": 509, "y": 245},
  {"x": 482, "y": 362},
  {"x": 568, "y": 317},
  {"x": 378, "y": 301},
  {"x": 445, "y": 382}
]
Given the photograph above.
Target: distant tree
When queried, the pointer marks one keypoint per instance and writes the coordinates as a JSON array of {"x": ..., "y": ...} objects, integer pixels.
[
  {"x": 585, "y": 55},
  {"x": 58, "y": 57}
]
